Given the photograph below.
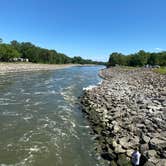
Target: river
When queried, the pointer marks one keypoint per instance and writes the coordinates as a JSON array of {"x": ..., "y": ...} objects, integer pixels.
[{"x": 41, "y": 123}]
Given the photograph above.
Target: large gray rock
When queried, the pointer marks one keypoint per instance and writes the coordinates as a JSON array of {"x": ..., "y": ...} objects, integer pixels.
[
  {"x": 144, "y": 148},
  {"x": 163, "y": 93},
  {"x": 164, "y": 103},
  {"x": 157, "y": 143},
  {"x": 123, "y": 161},
  {"x": 134, "y": 141},
  {"x": 116, "y": 128},
  {"x": 145, "y": 138},
  {"x": 154, "y": 160},
  {"x": 124, "y": 142},
  {"x": 129, "y": 152},
  {"x": 108, "y": 156},
  {"x": 162, "y": 162},
  {"x": 148, "y": 163},
  {"x": 151, "y": 153},
  {"x": 119, "y": 149}
]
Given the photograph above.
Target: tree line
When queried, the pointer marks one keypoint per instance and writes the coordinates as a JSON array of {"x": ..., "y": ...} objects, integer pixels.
[
  {"x": 37, "y": 54},
  {"x": 140, "y": 58}
]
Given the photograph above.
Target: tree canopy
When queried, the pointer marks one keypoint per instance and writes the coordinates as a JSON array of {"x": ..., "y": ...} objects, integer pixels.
[
  {"x": 37, "y": 54},
  {"x": 140, "y": 58},
  {"x": 7, "y": 52}
]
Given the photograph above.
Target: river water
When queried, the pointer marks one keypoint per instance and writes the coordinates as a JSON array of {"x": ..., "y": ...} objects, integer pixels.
[{"x": 41, "y": 123}]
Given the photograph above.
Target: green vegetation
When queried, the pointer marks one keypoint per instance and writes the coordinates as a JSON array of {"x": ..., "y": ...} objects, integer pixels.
[
  {"x": 128, "y": 67},
  {"x": 8, "y": 52},
  {"x": 37, "y": 54},
  {"x": 161, "y": 70},
  {"x": 140, "y": 58}
]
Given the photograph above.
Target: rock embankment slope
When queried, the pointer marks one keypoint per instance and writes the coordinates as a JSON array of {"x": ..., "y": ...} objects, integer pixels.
[{"x": 128, "y": 110}]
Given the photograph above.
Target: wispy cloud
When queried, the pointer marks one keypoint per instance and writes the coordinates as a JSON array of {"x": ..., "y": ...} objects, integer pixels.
[{"x": 158, "y": 49}]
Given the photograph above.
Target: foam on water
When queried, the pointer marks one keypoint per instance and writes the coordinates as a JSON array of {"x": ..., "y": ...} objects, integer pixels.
[
  {"x": 52, "y": 92},
  {"x": 27, "y": 100},
  {"x": 40, "y": 93},
  {"x": 38, "y": 103},
  {"x": 7, "y": 99},
  {"x": 59, "y": 79},
  {"x": 28, "y": 117},
  {"x": 7, "y": 94},
  {"x": 100, "y": 82},
  {"x": 7, "y": 113},
  {"x": 89, "y": 87},
  {"x": 34, "y": 149},
  {"x": 73, "y": 124},
  {"x": 67, "y": 95},
  {"x": 87, "y": 126},
  {"x": 26, "y": 93},
  {"x": 47, "y": 82},
  {"x": 1, "y": 103}
]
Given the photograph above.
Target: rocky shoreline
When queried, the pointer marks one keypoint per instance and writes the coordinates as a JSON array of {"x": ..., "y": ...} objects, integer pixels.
[{"x": 128, "y": 110}]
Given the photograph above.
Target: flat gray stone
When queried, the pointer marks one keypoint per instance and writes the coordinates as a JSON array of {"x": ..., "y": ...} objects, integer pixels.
[
  {"x": 151, "y": 153},
  {"x": 145, "y": 138},
  {"x": 162, "y": 162}
]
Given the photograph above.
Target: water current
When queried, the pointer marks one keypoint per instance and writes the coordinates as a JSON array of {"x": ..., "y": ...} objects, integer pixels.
[{"x": 41, "y": 123}]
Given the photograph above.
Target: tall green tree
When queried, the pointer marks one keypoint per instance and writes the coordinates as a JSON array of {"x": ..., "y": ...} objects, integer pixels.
[
  {"x": 7, "y": 52},
  {"x": 140, "y": 58},
  {"x": 36, "y": 54},
  {"x": 116, "y": 59}
]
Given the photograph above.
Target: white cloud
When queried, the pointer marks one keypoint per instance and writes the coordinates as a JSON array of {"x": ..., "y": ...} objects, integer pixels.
[{"x": 158, "y": 49}]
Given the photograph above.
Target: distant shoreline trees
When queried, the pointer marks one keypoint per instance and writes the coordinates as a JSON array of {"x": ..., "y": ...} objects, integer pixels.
[
  {"x": 37, "y": 54},
  {"x": 140, "y": 58}
]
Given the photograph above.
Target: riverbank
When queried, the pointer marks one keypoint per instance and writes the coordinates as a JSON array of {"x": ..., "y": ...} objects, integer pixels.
[
  {"x": 19, "y": 67},
  {"x": 128, "y": 110},
  {"x": 161, "y": 70}
]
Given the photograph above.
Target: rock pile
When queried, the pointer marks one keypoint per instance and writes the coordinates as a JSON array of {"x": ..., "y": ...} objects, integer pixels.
[{"x": 128, "y": 110}]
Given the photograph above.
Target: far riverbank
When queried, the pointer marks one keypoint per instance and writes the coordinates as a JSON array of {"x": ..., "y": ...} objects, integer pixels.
[{"x": 19, "y": 67}]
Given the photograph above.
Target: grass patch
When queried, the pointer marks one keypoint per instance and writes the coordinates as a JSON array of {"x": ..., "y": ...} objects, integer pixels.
[
  {"x": 161, "y": 70},
  {"x": 128, "y": 68}
]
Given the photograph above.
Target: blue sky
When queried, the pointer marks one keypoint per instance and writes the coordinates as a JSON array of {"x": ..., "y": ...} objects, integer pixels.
[{"x": 88, "y": 28}]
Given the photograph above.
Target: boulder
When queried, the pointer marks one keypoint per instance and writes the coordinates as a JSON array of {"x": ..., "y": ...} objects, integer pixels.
[
  {"x": 113, "y": 163},
  {"x": 133, "y": 142},
  {"x": 108, "y": 156},
  {"x": 144, "y": 148},
  {"x": 157, "y": 143},
  {"x": 163, "y": 93},
  {"x": 164, "y": 103},
  {"x": 154, "y": 160},
  {"x": 151, "y": 153},
  {"x": 124, "y": 142},
  {"x": 129, "y": 152},
  {"x": 119, "y": 149},
  {"x": 116, "y": 128},
  {"x": 123, "y": 161},
  {"x": 145, "y": 138},
  {"x": 148, "y": 163},
  {"x": 161, "y": 162}
]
